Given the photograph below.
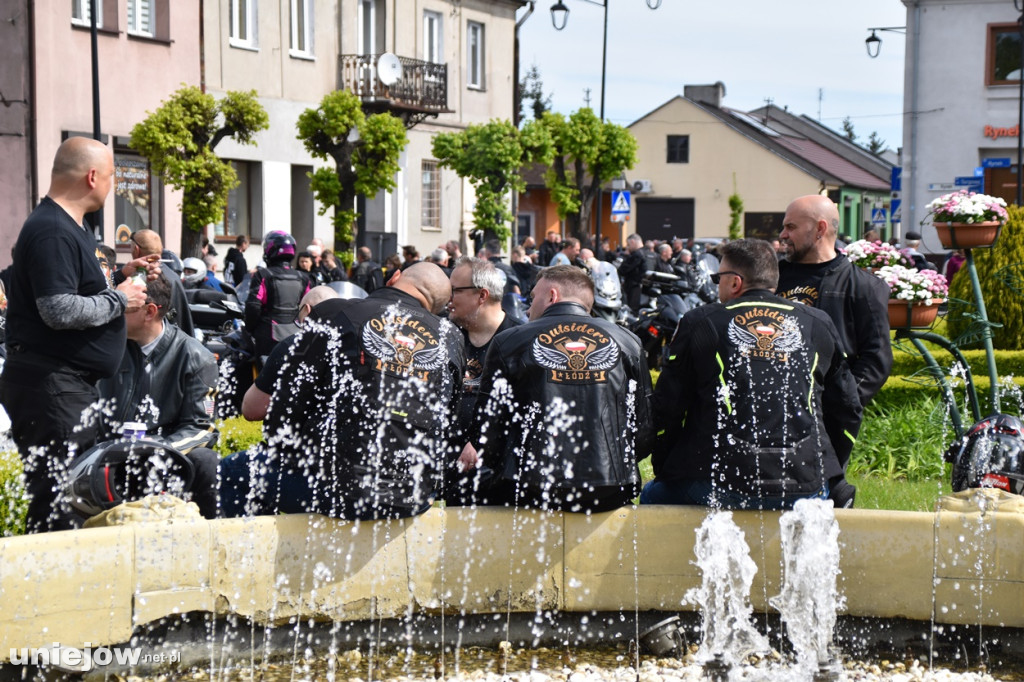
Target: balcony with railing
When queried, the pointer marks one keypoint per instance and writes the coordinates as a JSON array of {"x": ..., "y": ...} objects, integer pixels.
[{"x": 420, "y": 91}]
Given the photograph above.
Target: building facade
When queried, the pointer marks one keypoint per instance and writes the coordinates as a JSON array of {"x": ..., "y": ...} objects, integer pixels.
[
  {"x": 145, "y": 50},
  {"x": 962, "y": 92},
  {"x": 456, "y": 68}
]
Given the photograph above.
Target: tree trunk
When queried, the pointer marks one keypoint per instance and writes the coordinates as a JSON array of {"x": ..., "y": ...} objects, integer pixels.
[{"x": 191, "y": 242}]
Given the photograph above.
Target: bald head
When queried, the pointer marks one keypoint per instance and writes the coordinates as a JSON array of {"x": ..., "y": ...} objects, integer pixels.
[
  {"x": 426, "y": 282},
  {"x": 809, "y": 229},
  {"x": 83, "y": 172},
  {"x": 77, "y": 155},
  {"x": 148, "y": 242},
  {"x": 313, "y": 297}
]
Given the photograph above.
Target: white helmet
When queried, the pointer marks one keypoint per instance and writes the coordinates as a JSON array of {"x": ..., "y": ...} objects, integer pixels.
[{"x": 194, "y": 279}]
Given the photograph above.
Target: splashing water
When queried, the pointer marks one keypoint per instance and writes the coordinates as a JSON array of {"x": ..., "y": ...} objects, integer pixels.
[
  {"x": 809, "y": 599},
  {"x": 723, "y": 597}
]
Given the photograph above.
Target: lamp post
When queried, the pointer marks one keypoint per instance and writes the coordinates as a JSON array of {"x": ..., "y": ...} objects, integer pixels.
[
  {"x": 559, "y": 18},
  {"x": 1019, "y": 6},
  {"x": 874, "y": 44},
  {"x": 96, "y": 217}
]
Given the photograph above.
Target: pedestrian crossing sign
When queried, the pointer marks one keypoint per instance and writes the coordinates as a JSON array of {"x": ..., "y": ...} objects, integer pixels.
[
  {"x": 878, "y": 216},
  {"x": 620, "y": 202}
]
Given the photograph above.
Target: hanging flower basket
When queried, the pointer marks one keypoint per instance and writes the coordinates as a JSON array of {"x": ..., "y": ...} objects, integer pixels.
[
  {"x": 908, "y": 315},
  {"x": 968, "y": 235},
  {"x": 967, "y": 220},
  {"x": 914, "y": 297}
]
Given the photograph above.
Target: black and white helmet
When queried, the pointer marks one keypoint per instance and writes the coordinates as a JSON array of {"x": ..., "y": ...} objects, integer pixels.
[
  {"x": 117, "y": 471},
  {"x": 990, "y": 455}
]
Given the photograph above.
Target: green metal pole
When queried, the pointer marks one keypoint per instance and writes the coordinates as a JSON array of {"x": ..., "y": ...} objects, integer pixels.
[{"x": 986, "y": 334}]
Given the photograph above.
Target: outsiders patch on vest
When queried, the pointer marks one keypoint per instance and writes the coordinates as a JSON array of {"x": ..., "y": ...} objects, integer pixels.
[
  {"x": 765, "y": 333},
  {"x": 576, "y": 353},
  {"x": 402, "y": 346}
]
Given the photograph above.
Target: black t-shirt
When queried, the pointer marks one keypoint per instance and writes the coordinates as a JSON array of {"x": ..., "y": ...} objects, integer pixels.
[
  {"x": 474, "y": 369},
  {"x": 801, "y": 282},
  {"x": 54, "y": 255}
]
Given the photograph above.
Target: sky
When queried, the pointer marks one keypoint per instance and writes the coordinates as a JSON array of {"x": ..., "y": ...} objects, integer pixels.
[{"x": 786, "y": 50}]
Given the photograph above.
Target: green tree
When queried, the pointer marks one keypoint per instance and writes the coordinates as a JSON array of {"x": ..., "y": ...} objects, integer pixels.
[
  {"x": 875, "y": 143},
  {"x": 178, "y": 139},
  {"x": 1001, "y": 273},
  {"x": 735, "y": 212},
  {"x": 587, "y": 153},
  {"x": 531, "y": 90},
  {"x": 848, "y": 130},
  {"x": 365, "y": 151},
  {"x": 491, "y": 156}
]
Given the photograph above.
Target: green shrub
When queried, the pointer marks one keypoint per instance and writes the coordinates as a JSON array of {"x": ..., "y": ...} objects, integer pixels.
[
  {"x": 13, "y": 505},
  {"x": 903, "y": 439},
  {"x": 1001, "y": 273},
  {"x": 907, "y": 362},
  {"x": 238, "y": 434}
]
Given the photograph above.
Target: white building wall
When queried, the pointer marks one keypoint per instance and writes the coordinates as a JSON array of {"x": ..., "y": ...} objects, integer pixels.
[{"x": 948, "y": 103}]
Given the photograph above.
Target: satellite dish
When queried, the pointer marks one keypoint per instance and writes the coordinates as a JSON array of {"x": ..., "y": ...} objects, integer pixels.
[{"x": 389, "y": 69}]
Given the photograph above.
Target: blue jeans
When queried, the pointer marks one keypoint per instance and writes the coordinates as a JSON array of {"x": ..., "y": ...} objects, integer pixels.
[
  {"x": 251, "y": 485},
  {"x": 703, "y": 494}
]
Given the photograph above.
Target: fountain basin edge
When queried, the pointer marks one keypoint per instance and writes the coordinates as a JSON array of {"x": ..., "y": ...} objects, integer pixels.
[{"x": 961, "y": 565}]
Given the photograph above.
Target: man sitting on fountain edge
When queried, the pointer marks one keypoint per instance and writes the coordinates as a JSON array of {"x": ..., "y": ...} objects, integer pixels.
[
  {"x": 363, "y": 402},
  {"x": 756, "y": 406}
]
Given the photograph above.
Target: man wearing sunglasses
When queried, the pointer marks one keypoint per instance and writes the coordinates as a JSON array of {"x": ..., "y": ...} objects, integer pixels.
[{"x": 755, "y": 407}]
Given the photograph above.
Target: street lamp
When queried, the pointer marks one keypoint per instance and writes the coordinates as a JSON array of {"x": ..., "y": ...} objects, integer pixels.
[
  {"x": 1019, "y": 6},
  {"x": 559, "y": 18},
  {"x": 874, "y": 44}
]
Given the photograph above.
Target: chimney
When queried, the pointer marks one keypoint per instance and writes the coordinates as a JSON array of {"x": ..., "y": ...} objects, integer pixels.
[{"x": 707, "y": 94}]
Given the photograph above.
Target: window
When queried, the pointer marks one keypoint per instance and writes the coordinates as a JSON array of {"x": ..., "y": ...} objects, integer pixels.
[
  {"x": 433, "y": 47},
  {"x": 244, "y": 212},
  {"x": 430, "y": 200},
  {"x": 140, "y": 17},
  {"x": 475, "y": 68},
  {"x": 1002, "y": 60},
  {"x": 244, "y": 21},
  {"x": 678, "y": 149},
  {"x": 134, "y": 194},
  {"x": 371, "y": 27},
  {"x": 80, "y": 12},
  {"x": 302, "y": 28}
]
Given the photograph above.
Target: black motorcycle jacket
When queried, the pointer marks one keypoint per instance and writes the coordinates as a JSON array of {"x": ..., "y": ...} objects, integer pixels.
[
  {"x": 367, "y": 394},
  {"x": 171, "y": 390},
  {"x": 755, "y": 394},
  {"x": 563, "y": 411},
  {"x": 857, "y": 302}
]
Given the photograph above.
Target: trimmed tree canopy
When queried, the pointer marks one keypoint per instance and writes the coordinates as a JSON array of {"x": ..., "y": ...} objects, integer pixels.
[
  {"x": 178, "y": 139},
  {"x": 587, "y": 154},
  {"x": 365, "y": 151},
  {"x": 491, "y": 156}
]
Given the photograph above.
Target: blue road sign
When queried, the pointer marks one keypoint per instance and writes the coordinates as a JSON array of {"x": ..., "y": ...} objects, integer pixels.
[
  {"x": 1002, "y": 162},
  {"x": 896, "y": 178},
  {"x": 878, "y": 216},
  {"x": 620, "y": 202},
  {"x": 970, "y": 183},
  {"x": 895, "y": 207}
]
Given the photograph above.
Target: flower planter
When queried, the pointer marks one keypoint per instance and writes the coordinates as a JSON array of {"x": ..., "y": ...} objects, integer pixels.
[
  {"x": 968, "y": 235},
  {"x": 906, "y": 315}
]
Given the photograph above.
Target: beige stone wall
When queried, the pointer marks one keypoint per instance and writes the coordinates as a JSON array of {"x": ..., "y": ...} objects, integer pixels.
[{"x": 98, "y": 585}]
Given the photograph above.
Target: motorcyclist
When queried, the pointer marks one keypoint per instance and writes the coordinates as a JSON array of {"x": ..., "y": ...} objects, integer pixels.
[{"x": 274, "y": 294}]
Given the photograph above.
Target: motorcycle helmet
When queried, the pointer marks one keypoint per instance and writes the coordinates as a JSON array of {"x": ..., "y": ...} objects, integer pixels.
[
  {"x": 990, "y": 455},
  {"x": 278, "y": 246},
  {"x": 117, "y": 471},
  {"x": 193, "y": 272},
  {"x": 171, "y": 260}
]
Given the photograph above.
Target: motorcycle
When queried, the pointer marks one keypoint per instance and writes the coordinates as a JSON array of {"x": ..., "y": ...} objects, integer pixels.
[
  {"x": 670, "y": 297},
  {"x": 608, "y": 301}
]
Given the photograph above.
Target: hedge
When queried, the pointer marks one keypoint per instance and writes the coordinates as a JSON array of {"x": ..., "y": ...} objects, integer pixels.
[{"x": 1008, "y": 362}]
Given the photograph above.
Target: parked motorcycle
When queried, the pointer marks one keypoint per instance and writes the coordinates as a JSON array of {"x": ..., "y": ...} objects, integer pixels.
[
  {"x": 608, "y": 301},
  {"x": 670, "y": 297}
]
